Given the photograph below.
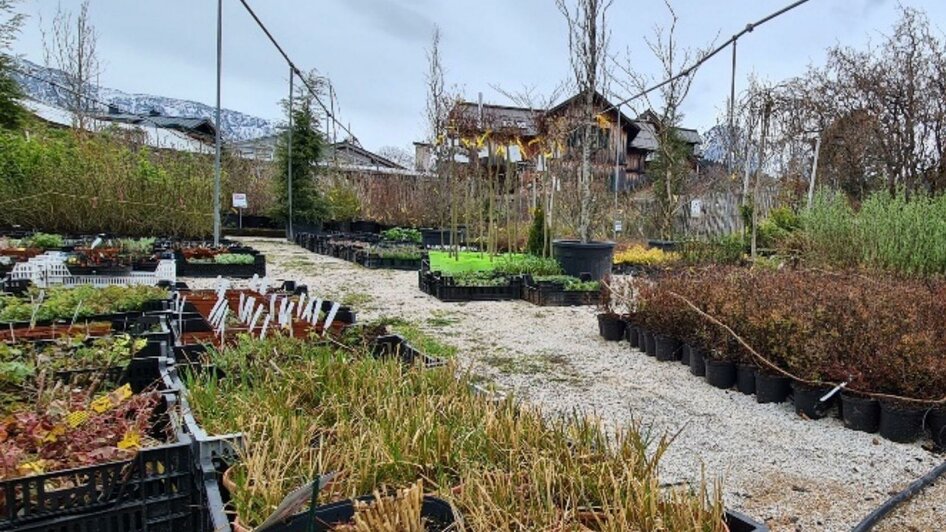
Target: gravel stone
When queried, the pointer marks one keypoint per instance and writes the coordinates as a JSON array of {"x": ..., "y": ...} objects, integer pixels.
[{"x": 795, "y": 474}]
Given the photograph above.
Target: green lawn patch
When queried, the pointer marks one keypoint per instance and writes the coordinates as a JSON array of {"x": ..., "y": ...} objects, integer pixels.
[{"x": 470, "y": 261}]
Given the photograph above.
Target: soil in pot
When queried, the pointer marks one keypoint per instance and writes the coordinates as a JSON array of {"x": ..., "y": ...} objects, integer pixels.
[
  {"x": 685, "y": 354},
  {"x": 667, "y": 348},
  {"x": 860, "y": 413},
  {"x": 901, "y": 423},
  {"x": 611, "y": 327},
  {"x": 771, "y": 388},
  {"x": 808, "y": 402},
  {"x": 936, "y": 423},
  {"x": 720, "y": 373},
  {"x": 650, "y": 344},
  {"x": 745, "y": 378},
  {"x": 697, "y": 362}
]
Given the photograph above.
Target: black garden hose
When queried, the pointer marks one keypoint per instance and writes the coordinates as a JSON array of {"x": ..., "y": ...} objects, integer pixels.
[{"x": 917, "y": 486}]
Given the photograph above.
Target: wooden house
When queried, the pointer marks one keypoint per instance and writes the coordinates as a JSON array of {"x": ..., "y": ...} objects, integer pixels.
[{"x": 499, "y": 135}]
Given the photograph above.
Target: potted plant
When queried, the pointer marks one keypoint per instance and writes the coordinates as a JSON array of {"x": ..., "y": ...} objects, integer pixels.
[
  {"x": 611, "y": 325},
  {"x": 588, "y": 47}
]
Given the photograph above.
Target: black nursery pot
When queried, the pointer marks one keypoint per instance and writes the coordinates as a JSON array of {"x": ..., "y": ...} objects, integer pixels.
[
  {"x": 650, "y": 344},
  {"x": 697, "y": 362},
  {"x": 666, "y": 347},
  {"x": 611, "y": 327},
  {"x": 860, "y": 413},
  {"x": 685, "y": 354},
  {"x": 745, "y": 378},
  {"x": 808, "y": 400},
  {"x": 633, "y": 335},
  {"x": 720, "y": 373},
  {"x": 936, "y": 423},
  {"x": 901, "y": 424},
  {"x": 771, "y": 388}
]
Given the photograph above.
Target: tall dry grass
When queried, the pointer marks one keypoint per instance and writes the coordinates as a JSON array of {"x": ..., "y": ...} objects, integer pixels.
[{"x": 504, "y": 466}]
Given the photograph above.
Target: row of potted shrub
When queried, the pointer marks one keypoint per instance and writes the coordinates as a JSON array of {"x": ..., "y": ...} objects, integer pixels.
[
  {"x": 881, "y": 337},
  {"x": 387, "y": 251}
]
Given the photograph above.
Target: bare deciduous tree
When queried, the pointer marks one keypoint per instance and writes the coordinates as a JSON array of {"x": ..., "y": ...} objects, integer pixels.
[
  {"x": 672, "y": 167},
  {"x": 71, "y": 45},
  {"x": 396, "y": 154},
  {"x": 588, "y": 39}
]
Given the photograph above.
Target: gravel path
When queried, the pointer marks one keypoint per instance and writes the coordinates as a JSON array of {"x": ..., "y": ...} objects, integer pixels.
[{"x": 792, "y": 473}]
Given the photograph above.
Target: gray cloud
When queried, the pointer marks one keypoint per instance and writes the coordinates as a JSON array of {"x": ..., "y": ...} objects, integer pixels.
[{"x": 397, "y": 19}]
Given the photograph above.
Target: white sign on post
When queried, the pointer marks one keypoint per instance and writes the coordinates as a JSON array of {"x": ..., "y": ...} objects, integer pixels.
[
  {"x": 696, "y": 208},
  {"x": 239, "y": 201}
]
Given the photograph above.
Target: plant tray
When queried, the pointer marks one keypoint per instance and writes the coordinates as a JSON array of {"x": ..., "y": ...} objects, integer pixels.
[
  {"x": 739, "y": 522},
  {"x": 156, "y": 477},
  {"x": 553, "y": 295},
  {"x": 233, "y": 271},
  {"x": 444, "y": 289},
  {"x": 396, "y": 345},
  {"x": 438, "y": 515},
  {"x": 172, "y": 512},
  {"x": 378, "y": 263}
]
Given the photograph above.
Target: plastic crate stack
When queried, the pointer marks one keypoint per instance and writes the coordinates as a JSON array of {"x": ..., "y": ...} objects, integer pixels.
[{"x": 156, "y": 490}]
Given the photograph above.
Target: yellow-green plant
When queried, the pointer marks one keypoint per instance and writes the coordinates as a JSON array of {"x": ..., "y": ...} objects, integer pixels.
[{"x": 641, "y": 256}]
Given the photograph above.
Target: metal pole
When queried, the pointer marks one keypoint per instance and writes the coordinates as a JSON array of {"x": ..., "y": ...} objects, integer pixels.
[
  {"x": 289, "y": 149},
  {"x": 732, "y": 112},
  {"x": 617, "y": 172},
  {"x": 814, "y": 171},
  {"x": 219, "y": 134}
]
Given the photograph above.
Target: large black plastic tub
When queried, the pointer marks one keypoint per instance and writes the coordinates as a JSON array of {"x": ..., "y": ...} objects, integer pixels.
[{"x": 591, "y": 258}]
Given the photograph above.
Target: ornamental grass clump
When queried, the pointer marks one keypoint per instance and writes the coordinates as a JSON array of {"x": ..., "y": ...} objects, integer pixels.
[
  {"x": 889, "y": 232},
  {"x": 308, "y": 410}
]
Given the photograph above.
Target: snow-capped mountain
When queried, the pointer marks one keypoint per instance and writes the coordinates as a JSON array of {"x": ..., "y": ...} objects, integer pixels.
[{"x": 236, "y": 126}]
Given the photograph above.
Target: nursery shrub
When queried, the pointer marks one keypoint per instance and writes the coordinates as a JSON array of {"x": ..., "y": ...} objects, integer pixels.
[
  {"x": 880, "y": 334},
  {"x": 64, "y": 182},
  {"x": 889, "y": 232}
]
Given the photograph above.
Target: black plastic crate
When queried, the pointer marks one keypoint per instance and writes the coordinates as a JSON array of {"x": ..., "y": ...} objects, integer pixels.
[
  {"x": 236, "y": 271},
  {"x": 395, "y": 345},
  {"x": 175, "y": 513},
  {"x": 554, "y": 295},
  {"x": 739, "y": 522},
  {"x": 326, "y": 517},
  {"x": 445, "y": 289},
  {"x": 156, "y": 476}
]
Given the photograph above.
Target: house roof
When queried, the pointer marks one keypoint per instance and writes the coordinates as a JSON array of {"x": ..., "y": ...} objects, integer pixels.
[
  {"x": 647, "y": 138},
  {"x": 154, "y": 136},
  {"x": 600, "y": 101},
  {"x": 643, "y": 133},
  {"x": 497, "y": 117},
  {"x": 193, "y": 125},
  {"x": 354, "y": 154}
]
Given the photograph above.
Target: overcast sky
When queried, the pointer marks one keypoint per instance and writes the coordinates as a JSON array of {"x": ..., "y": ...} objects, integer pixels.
[{"x": 374, "y": 50}]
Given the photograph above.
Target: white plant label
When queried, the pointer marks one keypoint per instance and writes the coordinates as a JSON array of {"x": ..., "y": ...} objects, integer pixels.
[
  {"x": 262, "y": 333},
  {"x": 301, "y": 306},
  {"x": 254, "y": 282},
  {"x": 256, "y": 315},
  {"x": 331, "y": 317},
  {"x": 316, "y": 310},
  {"x": 307, "y": 313},
  {"x": 223, "y": 325},
  {"x": 242, "y": 305},
  {"x": 213, "y": 311},
  {"x": 272, "y": 303}
]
